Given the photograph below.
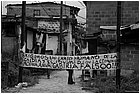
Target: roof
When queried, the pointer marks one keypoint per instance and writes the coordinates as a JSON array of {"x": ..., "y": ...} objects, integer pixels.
[
  {"x": 76, "y": 8},
  {"x": 132, "y": 26},
  {"x": 10, "y": 18}
]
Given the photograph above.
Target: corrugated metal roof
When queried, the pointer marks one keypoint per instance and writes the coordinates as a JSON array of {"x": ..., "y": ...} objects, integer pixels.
[{"x": 132, "y": 26}]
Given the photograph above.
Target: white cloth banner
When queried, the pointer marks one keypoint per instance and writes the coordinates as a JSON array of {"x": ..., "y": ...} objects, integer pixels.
[{"x": 93, "y": 62}]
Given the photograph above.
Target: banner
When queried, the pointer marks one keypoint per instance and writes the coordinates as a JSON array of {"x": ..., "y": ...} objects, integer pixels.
[{"x": 94, "y": 62}]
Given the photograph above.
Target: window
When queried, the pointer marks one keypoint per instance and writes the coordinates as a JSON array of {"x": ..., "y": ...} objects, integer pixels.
[{"x": 36, "y": 13}]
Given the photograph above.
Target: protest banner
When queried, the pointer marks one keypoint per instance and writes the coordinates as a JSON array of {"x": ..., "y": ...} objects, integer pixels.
[{"x": 93, "y": 62}]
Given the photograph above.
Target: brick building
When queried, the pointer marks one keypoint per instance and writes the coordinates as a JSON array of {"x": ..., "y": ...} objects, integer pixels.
[{"x": 103, "y": 14}]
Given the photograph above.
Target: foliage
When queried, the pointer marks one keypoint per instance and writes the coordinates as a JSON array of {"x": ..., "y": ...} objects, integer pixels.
[
  {"x": 108, "y": 84},
  {"x": 12, "y": 76}
]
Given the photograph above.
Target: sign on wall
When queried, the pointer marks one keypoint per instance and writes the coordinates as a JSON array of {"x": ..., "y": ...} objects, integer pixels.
[
  {"x": 49, "y": 25},
  {"x": 94, "y": 62}
]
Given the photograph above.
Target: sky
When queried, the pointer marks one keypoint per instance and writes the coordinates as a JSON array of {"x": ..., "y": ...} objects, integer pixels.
[{"x": 78, "y": 4}]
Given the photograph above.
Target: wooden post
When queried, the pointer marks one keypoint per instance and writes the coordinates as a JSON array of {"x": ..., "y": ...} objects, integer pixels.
[
  {"x": 69, "y": 52},
  {"x": 61, "y": 21},
  {"x": 93, "y": 50},
  {"x": 23, "y": 35},
  {"x": 118, "y": 45},
  {"x": 80, "y": 54}
]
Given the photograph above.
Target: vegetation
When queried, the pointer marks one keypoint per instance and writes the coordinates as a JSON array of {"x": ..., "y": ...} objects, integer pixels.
[{"x": 108, "y": 84}]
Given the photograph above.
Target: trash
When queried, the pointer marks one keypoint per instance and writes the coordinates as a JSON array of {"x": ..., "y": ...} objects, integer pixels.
[
  {"x": 24, "y": 88},
  {"x": 24, "y": 84},
  {"x": 20, "y": 85}
]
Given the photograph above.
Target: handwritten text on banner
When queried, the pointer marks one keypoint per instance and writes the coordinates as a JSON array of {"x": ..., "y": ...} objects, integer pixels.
[{"x": 95, "y": 62}]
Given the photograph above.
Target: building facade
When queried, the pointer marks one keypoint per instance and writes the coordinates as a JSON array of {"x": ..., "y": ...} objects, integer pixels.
[
  {"x": 104, "y": 14},
  {"x": 46, "y": 18}
]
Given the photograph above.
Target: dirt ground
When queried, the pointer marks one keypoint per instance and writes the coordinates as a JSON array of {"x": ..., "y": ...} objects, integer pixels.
[{"x": 56, "y": 84}]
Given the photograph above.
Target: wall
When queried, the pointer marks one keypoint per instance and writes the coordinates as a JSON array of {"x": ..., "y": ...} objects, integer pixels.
[
  {"x": 9, "y": 61},
  {"x": 52, "y": 43},
  {"x": 129, "y": 54},
  {"x": 130, "y": 57},
  {"x": 9, "y": 49},
  {"x": 103, "y": 13},
  {"x": 51, "y": 9}
]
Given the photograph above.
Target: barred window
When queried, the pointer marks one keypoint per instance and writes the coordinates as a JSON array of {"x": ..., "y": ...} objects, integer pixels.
[{"x": 36, "y": 13}]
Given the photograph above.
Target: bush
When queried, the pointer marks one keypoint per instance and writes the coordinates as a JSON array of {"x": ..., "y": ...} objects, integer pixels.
[{"x": 130, "y": 83}]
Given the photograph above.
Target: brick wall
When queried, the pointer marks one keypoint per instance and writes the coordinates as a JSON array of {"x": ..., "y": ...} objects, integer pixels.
[
  {"x": 130, "y": 57},
  {"x": 129, "y": 52},
  {"x": 103, "y": 13},
  {"x": 51, "y": 9}
]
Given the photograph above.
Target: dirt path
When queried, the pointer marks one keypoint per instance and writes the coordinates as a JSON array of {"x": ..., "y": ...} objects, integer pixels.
[{"x": 56, "y": 84}]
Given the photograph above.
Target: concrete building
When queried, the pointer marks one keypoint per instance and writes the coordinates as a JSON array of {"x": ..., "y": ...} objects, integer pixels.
[{"x": 45, "y": 17}]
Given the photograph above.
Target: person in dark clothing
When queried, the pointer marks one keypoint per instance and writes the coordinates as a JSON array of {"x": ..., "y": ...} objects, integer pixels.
[{"x": 70, "y": 79}]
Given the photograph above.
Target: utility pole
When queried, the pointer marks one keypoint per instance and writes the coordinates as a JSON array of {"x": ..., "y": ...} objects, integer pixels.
[
  {"x": 69, "y": 52},
  {"x": 22, "y": 36},
  {"x": 118, "y": 70},
  {"x": 61, "y": 21}
]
